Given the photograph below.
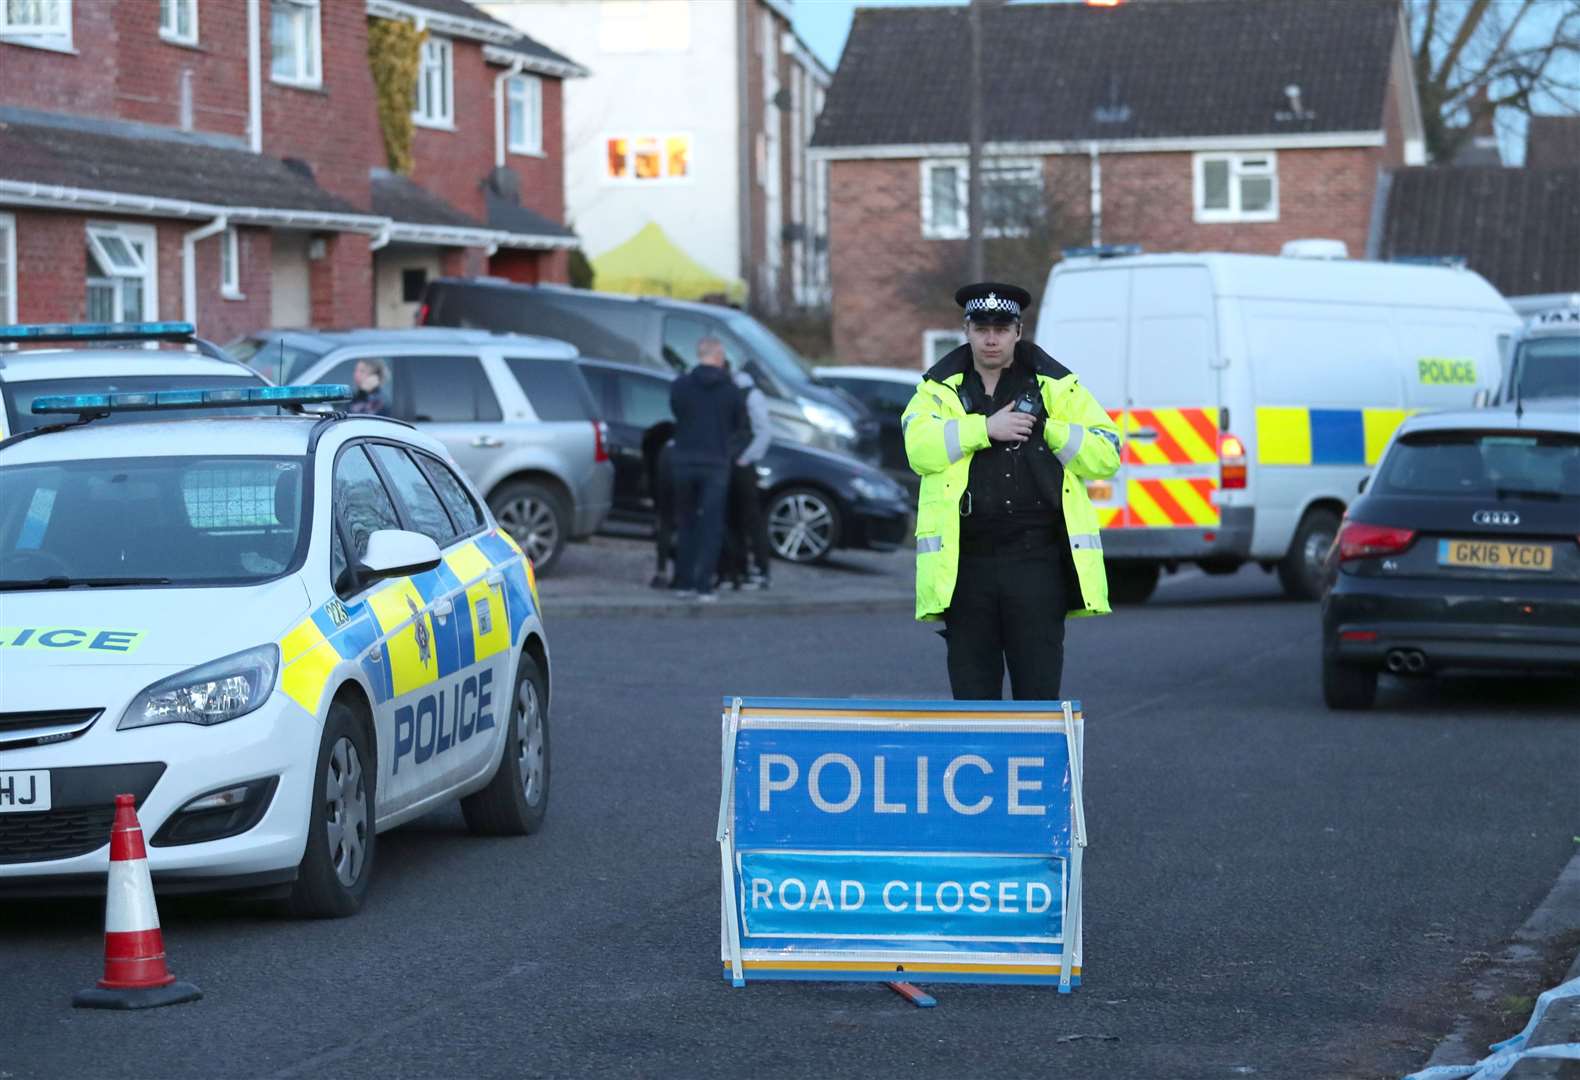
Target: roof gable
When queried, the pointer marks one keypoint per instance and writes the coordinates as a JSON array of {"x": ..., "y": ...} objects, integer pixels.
[{"x": 1156, "y": 70}]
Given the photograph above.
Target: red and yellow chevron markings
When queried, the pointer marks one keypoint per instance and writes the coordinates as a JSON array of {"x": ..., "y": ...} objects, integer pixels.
[{"x": 1171, "y": 470}]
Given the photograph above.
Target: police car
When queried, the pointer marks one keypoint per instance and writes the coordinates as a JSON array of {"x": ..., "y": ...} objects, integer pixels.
[
  {"x": 282, "y": 634},
  {"x": 50, "y": 360}
]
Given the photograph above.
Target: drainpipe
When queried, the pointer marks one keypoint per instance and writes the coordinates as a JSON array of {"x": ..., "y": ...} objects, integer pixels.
[
  {"x": 382, "y": 237},
  {"x": 499, "y": 109},
  {"x": 1097, "y": 195},
  {"x": 254, "y": 78},
  {"x": 189, "y": 241}
]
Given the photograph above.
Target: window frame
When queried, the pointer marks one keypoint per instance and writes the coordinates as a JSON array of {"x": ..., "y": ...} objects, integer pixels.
[
  {"x": 307, "y": 41},
  {"x": 337, "y": 521},
  {"x": 148, "y": 235},
  {"x": 530, "y": 101},
  {"x": 403, "y": 510},
  {"x": 423, "y": 112},
  {"x": 431, "y": 465},
  {"x": 230, "y": 265},
  {"x": 8, "y": 303},
  {"x": 1238, "y": 172},
  {"x": 961, "y": 230},
  {"x": 56, "y": 36},
  {"x": 930, "y": 337},
  {"x": 171, "y": 31}
]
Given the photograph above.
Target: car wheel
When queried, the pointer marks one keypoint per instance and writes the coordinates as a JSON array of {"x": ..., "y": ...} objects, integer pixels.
[
  {"x": 335, "y": 869},
  {"x": 535, "y": 517},
  {"x": 1302, "y": 570},
  {"x": 1347, "y": 688},
  {"x": 803, "y": 524},
  {"x": 517, "y": 797},
  {"x": 1132, "y": 583}
]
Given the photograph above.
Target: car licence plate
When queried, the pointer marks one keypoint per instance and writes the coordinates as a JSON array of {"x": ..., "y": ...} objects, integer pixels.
[
  {"x": 22, "y": 792},
  {"x": 1495, "y": 555}
]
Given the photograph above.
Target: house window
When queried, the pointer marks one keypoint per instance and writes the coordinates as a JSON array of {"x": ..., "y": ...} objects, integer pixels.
[
  {"x": 1012, "y": 199},
  {"x": 937, "y": 344},
  {"x": 178, "y": 21},
  {"x": 524, "y": 96},
  {"x": 7, "y": 268},
  {"x": 230, "y": 265},
  {"x": 648, "y": 157},
  {"x": 295, "y": 39},
  {"x": 1236, "y": 187},
  {"x": 44, "y": 23},
  {"x": 435, "y": 86},
  {"x": 122, "y": 273}
]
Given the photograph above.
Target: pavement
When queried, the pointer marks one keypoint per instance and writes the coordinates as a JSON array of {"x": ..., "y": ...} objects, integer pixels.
[{"x": 611, "y": 575}]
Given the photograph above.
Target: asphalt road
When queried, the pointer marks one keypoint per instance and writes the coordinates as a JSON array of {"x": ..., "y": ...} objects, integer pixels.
[{"x": 1271, "y": 890}]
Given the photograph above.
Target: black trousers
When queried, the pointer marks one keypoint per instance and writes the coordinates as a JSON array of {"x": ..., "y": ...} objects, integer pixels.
[
  {"x": 700, "y": 492},
  {"x": 1008, "y": 608},
  {"x": 748, "y": 523}
]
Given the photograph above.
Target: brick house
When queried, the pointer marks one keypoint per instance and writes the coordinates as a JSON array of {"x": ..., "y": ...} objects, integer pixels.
[
  {"x": 687, "y": 156},
  {"x": 1227, "y": 125},
  {"x": 221, "y": 161}
]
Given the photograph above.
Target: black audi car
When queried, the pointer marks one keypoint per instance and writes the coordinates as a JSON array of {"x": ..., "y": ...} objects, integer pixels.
[
  {"x": 1463, "y": 552},
  {"x": 815, "y": 500}
]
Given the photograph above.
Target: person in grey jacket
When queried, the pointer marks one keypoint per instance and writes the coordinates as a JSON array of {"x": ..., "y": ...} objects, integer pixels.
[{"x": 746, "y": 503}]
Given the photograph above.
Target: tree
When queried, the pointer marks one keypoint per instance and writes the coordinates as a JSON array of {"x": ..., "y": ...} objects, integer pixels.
[{"x": 1473, "y": 57}]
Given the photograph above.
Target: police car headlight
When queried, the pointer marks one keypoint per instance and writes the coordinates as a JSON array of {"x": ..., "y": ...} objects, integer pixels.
[{"x": 209, "y": 694}]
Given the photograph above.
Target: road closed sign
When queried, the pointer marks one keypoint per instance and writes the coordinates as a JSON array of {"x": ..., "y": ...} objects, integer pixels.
[{"x": 901, "y": 840}]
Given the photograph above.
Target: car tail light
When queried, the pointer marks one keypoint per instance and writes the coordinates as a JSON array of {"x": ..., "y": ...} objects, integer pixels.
[
  {"x": 422, "y": 315},
  {"x": 1231, "y": 462},
  {"x": 600, "y": 441},
  {"x": 1358, "y": 541}
]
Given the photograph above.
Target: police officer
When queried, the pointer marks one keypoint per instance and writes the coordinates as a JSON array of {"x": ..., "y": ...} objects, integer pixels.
[{"x": 1004, "y": 438}]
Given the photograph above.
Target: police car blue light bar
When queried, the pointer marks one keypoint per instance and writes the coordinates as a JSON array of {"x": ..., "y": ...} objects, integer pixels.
[
  {"x": 154, "y": 400},
  {"x": 147, "y": 331}
]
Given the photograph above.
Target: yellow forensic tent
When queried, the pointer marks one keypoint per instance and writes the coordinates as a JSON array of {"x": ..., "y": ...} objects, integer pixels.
[{"x": 651, "y": 264}]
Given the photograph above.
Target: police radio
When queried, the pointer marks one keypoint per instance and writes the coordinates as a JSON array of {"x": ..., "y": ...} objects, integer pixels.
[{"x": 1030, "y": 403}]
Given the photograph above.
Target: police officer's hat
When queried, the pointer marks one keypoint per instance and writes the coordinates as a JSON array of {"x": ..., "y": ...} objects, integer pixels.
[{"x": 993, "y": 301}]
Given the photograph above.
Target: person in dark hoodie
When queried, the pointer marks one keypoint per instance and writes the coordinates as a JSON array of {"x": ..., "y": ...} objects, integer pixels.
[{"x": 710, "y": 432}]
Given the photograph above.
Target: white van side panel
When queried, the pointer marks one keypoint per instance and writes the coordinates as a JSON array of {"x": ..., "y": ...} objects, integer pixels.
[{"x": 1082, "y": 324}]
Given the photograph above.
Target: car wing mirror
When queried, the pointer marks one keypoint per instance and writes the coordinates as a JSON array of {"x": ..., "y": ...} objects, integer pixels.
[
  {"x": 398, "y": 553},
  {"x": 1360, "y": 488}
]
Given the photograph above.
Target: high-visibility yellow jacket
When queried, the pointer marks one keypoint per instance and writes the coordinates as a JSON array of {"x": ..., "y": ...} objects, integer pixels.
[{"x": 941, "y": 437}]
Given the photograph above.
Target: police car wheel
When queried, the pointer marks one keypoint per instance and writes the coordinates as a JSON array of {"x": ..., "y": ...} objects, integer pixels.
[
  {"x": 536, "y": 518},
  {"x": 803, "y": 524},
  {"x": 517, "y": 798},
  {"x": 1301, "y": 571},
  {"x": 337, "y": 866}
]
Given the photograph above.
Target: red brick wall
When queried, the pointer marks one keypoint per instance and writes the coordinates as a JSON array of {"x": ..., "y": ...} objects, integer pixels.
[
  {"x": 52, "y": 258},
  {"x": 875, "y": 230},
  {"x": 148, "y": 70},
  {"x": 220, "y": 318},
  {"x": 333, "y": 128},
  {"x": 341, "y": 283},
  {"x": 454, "y": 164},
  {"x": 40, "y": 79}
]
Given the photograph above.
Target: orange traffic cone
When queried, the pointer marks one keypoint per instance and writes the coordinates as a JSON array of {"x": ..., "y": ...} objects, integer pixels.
[{"x": 135, "y": 975}]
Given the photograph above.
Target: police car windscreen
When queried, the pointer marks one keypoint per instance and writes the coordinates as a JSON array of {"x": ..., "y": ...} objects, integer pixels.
[
  {"x": 1483, "y": 464},
  {"x": 19, "y": 397},
  {"x": 1549, "y": 368},
  {"x": 187, "y": 520}
]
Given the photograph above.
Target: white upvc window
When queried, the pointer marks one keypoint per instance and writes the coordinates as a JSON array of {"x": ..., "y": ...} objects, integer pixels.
[
  {"x": 1012, "y": 198},
  {"x": 435, "y": 85},
  {"x": 123, "y": 273},
  {"x": 178, "y": 21},
  {"x": 524, "y": 108},
  {"x": 937, "y": 344},
  {"x": 45, "y": 24},
  {"x": 7, "y": 268},
  {"x": 230, "y": 265},
  {"x": 1236, "y": 187},
  {"x": 296, "y": 40}
]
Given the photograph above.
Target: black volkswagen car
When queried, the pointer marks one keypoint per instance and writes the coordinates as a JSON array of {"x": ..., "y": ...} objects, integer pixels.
[
  {"x": 1463, "y": 552},
  {"x": 815, "y": 500}
]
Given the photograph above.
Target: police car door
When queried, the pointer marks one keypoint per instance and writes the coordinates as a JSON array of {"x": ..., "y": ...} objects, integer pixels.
[{"x": 446, "y": 731}]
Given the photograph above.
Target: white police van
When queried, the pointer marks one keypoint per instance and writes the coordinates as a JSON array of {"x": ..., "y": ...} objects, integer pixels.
[{"x": 282, "y": 634}]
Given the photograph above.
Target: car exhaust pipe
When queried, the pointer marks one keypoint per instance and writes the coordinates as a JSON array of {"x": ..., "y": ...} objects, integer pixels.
[
  {"x": 1396, "y": 661},
  {"x": 1415, "y": 661}
]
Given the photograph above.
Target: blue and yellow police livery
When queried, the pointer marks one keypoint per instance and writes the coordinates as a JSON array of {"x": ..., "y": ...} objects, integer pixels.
[{"x": 283, "y": 634}]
